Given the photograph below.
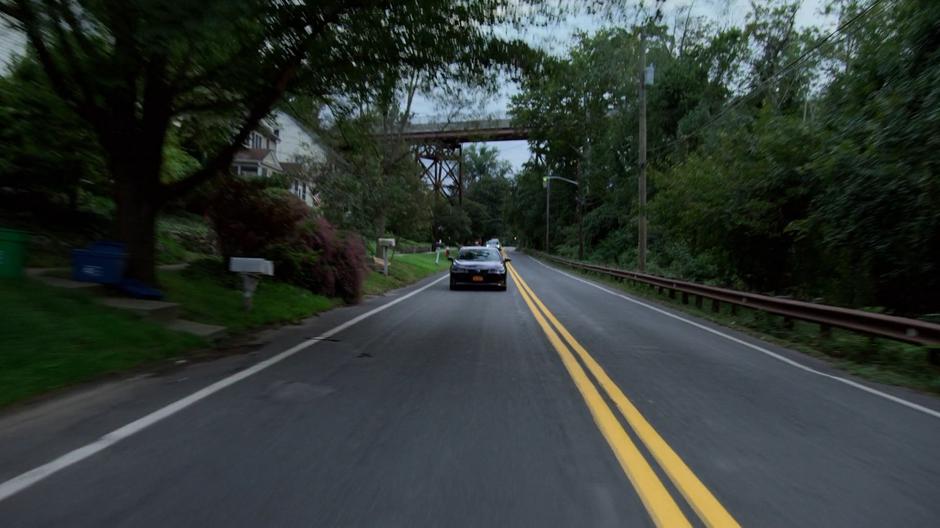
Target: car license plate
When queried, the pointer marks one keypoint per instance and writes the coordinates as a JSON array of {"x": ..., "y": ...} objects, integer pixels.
[{"x": 477, "y": 278}]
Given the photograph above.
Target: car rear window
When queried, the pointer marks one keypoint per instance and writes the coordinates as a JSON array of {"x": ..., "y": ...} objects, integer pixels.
[{"x": 481, "y": 254}]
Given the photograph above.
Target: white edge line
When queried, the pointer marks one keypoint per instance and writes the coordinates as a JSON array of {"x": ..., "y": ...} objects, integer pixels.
[
  {"x": 25, "y": 480},
  {"x": 876, "y": 392}
]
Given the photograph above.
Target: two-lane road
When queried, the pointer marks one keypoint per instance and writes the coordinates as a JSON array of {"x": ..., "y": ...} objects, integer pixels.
[{"x": 553, "y": 404}]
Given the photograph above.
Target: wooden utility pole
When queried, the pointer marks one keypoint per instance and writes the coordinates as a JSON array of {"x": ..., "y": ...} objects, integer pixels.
[
  {"x": 548, "y": 197},
  {"x": 578, "y": 197},
  {"x": 641, "y": 253}
]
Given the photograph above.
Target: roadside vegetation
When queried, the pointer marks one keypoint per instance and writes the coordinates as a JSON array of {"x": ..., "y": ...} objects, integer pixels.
[
  {"x": 778, "y": 162},
  {"x": 404, "y": 269},
  {"x": 879, "y": 360},
  {"x": 53, "y": 339},
  {"x": 208, "y": 294}
]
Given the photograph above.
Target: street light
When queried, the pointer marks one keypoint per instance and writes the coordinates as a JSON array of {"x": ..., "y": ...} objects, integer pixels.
[{"x": 547, "y": 183}]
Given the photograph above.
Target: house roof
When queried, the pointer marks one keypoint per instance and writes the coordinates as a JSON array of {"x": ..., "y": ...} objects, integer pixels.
[
  {"x": 264, "y": 157},
  {"x": 292, "y": 168},
  {"x": 252, "y": 154}
]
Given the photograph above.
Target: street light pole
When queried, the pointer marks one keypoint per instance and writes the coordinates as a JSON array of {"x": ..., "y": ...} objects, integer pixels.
[{"x": 547, "y": 182}]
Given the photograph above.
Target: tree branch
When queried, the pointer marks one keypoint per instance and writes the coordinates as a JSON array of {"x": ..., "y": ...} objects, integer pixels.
[
  {"x": 261, "y": 108},
  {"x": 85, "y": 108},
  {"x": 76, "y": 29}
]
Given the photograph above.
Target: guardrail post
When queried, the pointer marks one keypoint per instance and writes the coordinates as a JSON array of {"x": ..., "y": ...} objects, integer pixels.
[
  {"x": 716, "y": 305},
  {"x": 672, "y": 293},
  {"x": 685, "y": 298},
  {"x": 698, "y": 301}
]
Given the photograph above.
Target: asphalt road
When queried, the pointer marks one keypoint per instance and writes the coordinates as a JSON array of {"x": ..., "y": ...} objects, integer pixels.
[{"x": 475, "y": 408}]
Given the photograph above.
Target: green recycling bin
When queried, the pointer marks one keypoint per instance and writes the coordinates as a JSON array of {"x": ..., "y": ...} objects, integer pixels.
[{"x": 12, "y": 253}]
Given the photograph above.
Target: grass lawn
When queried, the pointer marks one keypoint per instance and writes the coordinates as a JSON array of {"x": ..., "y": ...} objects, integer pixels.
[
  {"x": 217, "y": 299},
  {"x": 51, "y": 339},
  {"x": 880, "y": 360},
  {"x": 403, "y": 270}
]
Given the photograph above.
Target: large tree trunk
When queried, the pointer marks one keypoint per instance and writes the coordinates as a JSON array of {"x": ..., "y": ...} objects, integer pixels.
[
  {"x": 136, "y": 171},
  {"x": 136, "y": 226}
]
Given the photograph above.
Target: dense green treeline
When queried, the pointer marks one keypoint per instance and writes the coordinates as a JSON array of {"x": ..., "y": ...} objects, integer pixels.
[{"x": 776, "y": 163}]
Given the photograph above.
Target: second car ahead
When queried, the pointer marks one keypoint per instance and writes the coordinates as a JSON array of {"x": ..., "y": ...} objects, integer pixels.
[{"x": 478, "y": 266}]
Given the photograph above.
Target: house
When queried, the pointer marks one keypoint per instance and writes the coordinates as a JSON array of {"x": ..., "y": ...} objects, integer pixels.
[
  {"x": 258, "y": 157},
  {"x": 297, "y": 142},
  {"x": 283, "y": 146}
]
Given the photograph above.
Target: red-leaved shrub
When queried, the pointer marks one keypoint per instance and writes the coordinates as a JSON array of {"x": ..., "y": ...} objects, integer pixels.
[
  {"x": 350, "y": 267},
  {"x": 340, "y": 266},
  {"x": 308, "y": 252},
  {"x": 249, "y": 218}
]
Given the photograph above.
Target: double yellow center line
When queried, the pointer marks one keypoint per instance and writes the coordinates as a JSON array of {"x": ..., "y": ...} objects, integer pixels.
[{"x": 661, "y": 506}]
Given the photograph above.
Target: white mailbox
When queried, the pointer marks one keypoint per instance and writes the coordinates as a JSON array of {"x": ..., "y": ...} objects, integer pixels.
[
  {"x": 251, "y": 270},
  {"x": 251, "y": 265},
  {"x": 386, "y": 243}
]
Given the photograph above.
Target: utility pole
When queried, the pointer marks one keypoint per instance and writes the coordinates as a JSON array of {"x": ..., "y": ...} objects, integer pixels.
[
  {"x": 548, "y": 194},
  {"x": 579, "y": 199},
  {"x": 641, "y": 253}
]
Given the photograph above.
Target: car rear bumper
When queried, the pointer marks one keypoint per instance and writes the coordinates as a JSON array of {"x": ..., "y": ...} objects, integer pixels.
[{"x": 488, "y": 279}]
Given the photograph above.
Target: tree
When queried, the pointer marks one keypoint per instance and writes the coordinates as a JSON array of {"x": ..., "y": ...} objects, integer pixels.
[
  {"x": 375, "y": 188},
  {"x": 134, "y": 70},
  {"x": 46, "y": 148},
  {"x": 779, "y": 162},
  {"x": 488, "y": 190}
]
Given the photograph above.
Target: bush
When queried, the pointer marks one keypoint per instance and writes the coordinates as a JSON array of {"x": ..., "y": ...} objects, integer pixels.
[
  {"x": 296, "y": 264},
  {"x": 324, "y": 260},
  {"x": 249, "y": 218},
  {"x": 350, "y": 267},
  {"x": 252, "y": 219},
  {"x": 190, "y": 231}
]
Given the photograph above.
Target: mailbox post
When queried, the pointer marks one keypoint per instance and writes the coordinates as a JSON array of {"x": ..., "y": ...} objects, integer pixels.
[
  {"x": 251, "y": 270},
  {"x": 386, "y": 243}
]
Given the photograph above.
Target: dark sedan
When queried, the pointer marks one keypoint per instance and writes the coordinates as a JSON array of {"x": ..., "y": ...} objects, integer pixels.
[{"x": 478, "y": 266}]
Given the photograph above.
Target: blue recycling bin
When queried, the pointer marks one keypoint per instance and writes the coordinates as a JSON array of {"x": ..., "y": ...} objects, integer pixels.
[{"x": 102, "y": 262}]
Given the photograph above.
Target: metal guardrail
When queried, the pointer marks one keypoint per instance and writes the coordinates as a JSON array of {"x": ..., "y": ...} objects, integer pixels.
[{"x": 873, "y": 324}]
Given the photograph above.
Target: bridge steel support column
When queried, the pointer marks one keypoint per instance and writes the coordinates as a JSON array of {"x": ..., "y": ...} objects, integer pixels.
[{"x": 442, "y": 168}]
